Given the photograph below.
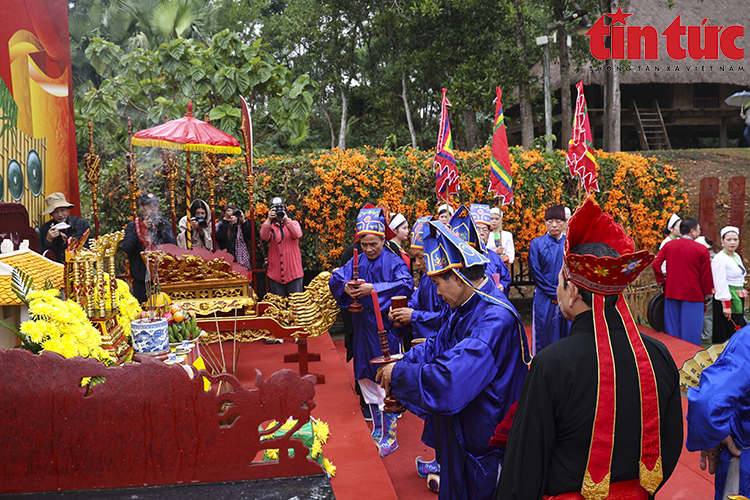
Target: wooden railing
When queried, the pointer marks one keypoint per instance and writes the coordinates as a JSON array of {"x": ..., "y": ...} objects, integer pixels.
[{"x": 705, "y": 102}]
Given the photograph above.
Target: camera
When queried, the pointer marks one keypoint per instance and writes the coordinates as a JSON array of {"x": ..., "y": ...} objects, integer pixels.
[
  {"x": 157, "y": 221},
  {"x": 278, "y": 210},
  {"x": 201, "y": 222},
  {"x": 237, "y": 213},
  {"x": 65, "y": 229}
]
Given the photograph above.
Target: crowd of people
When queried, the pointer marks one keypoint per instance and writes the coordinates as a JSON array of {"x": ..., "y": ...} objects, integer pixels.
[
  {"x": 233, "y": 235},
  {"x": 559, "y": 427},
  {"x": 501, "y": 425}
]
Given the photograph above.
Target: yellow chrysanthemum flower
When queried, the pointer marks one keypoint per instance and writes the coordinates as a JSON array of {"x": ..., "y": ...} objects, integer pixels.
[
  {"x": 34, "y": 330},
  {"x": 321, "y": 430},
  {"x": 329, "y": 467},
  {"x": 316, "y": 449},
  {"x": 272, "y": 454}
]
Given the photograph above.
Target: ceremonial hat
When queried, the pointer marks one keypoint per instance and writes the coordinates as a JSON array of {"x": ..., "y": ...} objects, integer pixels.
[
  {"x": 555, "y": 212},
  {"x": 463, "y": 225},
  {"x": 480, "y": 213},
  {"x": 445, "y": 250},
  {"x": 672, "y": 221},
  {"x": 495, "y": 210},
  {"x": 604, "y": 275},
  {"x": 609, "y": 276},
  {"x": 372, "y": 220},
  {"x": 421, "y": 227},
  {"x": 55, "y": 201},
  {"x": 396, "y": 221}
]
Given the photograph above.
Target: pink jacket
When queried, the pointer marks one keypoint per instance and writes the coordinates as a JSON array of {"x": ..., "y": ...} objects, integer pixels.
[{"x": 284, "y": 258}]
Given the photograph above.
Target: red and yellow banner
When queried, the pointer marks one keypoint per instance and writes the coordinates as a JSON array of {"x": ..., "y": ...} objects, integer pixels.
[{"x": 37, "y": 132}]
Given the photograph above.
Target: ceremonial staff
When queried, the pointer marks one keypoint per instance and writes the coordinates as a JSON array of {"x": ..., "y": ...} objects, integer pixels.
[
  {"x": 247, "y": 136},
  {"x": 130, "y": 166},
  {"x": 208, "y": 169},
  {"x": 92, "y": 166}
]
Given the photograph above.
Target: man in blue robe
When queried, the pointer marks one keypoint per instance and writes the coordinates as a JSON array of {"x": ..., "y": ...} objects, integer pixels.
[
  {"x": 718, "y": 418},
  {"x": 496, "y": 268},
  {"x": 426, "y": 310},
  {"x": 469, "y": 374},
  {"x": 387, "y": 274},
  {"x": 545, "y": 261},
  {"x": 463, "y": 224},
  {"x": 426, "y": 313}
]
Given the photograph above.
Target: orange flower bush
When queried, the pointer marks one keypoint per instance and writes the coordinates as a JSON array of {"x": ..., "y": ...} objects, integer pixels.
[
  {"x": 328, "y": 188},
  {"x": 324, "y": 190}
]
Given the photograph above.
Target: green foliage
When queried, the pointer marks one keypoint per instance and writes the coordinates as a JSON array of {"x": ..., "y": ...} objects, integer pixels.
[
  {"x": 22, "y": 284},
  {"x": 148, "y": 86},
  {"x": 9, "y": 109}
]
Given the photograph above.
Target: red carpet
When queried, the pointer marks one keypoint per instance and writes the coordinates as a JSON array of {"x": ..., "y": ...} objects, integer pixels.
[
  {"x": 362, "y": 473},
  {"x": 688, "y": 480}
]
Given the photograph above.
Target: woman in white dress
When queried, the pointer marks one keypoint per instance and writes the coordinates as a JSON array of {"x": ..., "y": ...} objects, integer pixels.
[
  {"x": 729, "y": 281},
  {"x": 500, "y": 241}
]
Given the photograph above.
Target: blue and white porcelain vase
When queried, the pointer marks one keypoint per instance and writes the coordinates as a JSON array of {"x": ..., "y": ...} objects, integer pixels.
[{"x": 150, "y": 337}]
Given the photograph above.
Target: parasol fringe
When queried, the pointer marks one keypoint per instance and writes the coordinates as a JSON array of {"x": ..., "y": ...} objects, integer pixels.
[{"x": 155, "y": 143}]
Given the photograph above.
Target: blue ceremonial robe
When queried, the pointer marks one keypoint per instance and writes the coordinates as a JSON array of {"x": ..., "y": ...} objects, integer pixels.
[
  {"x": 545, "y": 262},
  {"x": 390, "y": 277},
  {"x": 430, "y": 310},
  {"x": 497, "y": 266},
  {"x": 466, "y": 378},
  {"x": 720, "y": 407}
]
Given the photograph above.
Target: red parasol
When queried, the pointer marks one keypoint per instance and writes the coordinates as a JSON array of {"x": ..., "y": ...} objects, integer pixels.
[{"x": 188, "y": 134}]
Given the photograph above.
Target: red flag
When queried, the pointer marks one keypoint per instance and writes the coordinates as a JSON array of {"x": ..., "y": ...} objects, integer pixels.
[
  {"x": 581, "y": 161},
  {"x": 501, "y": 180},
  {"x": 446, "y": 172}
]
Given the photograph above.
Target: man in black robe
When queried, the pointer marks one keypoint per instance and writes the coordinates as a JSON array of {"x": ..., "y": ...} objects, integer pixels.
[{"x": 550, "y": 439}]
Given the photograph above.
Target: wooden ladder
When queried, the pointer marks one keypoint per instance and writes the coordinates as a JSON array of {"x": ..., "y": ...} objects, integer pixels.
[{"x": 652, "y": 133}]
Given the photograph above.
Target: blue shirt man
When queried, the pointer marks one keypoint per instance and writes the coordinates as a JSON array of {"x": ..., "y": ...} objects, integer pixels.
[
  {"x": 466, "y": 223},
  {"x": 545, "y": 261},
  {"x": 386, "y": 273},
  {"x": 468, "y": 375},
  {"x": 426, "y": 310}
]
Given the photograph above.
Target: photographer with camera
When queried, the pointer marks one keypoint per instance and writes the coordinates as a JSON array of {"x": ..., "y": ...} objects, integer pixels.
[
  {"x": 200, "y": 232},
  {"x": 284, "y": 259},
  {"x": 56, "y": 231},
  {"x": 226, "y": 235},
  {"x": 159, "y": 231}
]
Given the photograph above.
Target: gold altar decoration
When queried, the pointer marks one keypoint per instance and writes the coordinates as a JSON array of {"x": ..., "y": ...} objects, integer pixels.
[
  {"x": 311, "y": 313},
  {"x": 208, "y": 169},
  {"x": 185, "y": 268},
  {"x": 209, "y": 306},
  {"x": 170, "y": 172},
  {"x": 203, "y": 286},
  {"x": 92, "y": 167},
  {"x": 89, "y": 275},
  {"x": 212, "y": 337},
  {"x": 130, "y": 165},
  {"x": 315, "y": 309}
]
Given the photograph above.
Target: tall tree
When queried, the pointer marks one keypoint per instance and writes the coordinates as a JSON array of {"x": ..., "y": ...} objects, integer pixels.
[
  {"x": 147, "y": 85},
  {"x": 524, "y": 91}
]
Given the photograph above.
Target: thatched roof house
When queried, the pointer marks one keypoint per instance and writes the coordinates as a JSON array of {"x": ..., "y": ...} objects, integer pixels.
[{"x": 690, "y": 92}]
